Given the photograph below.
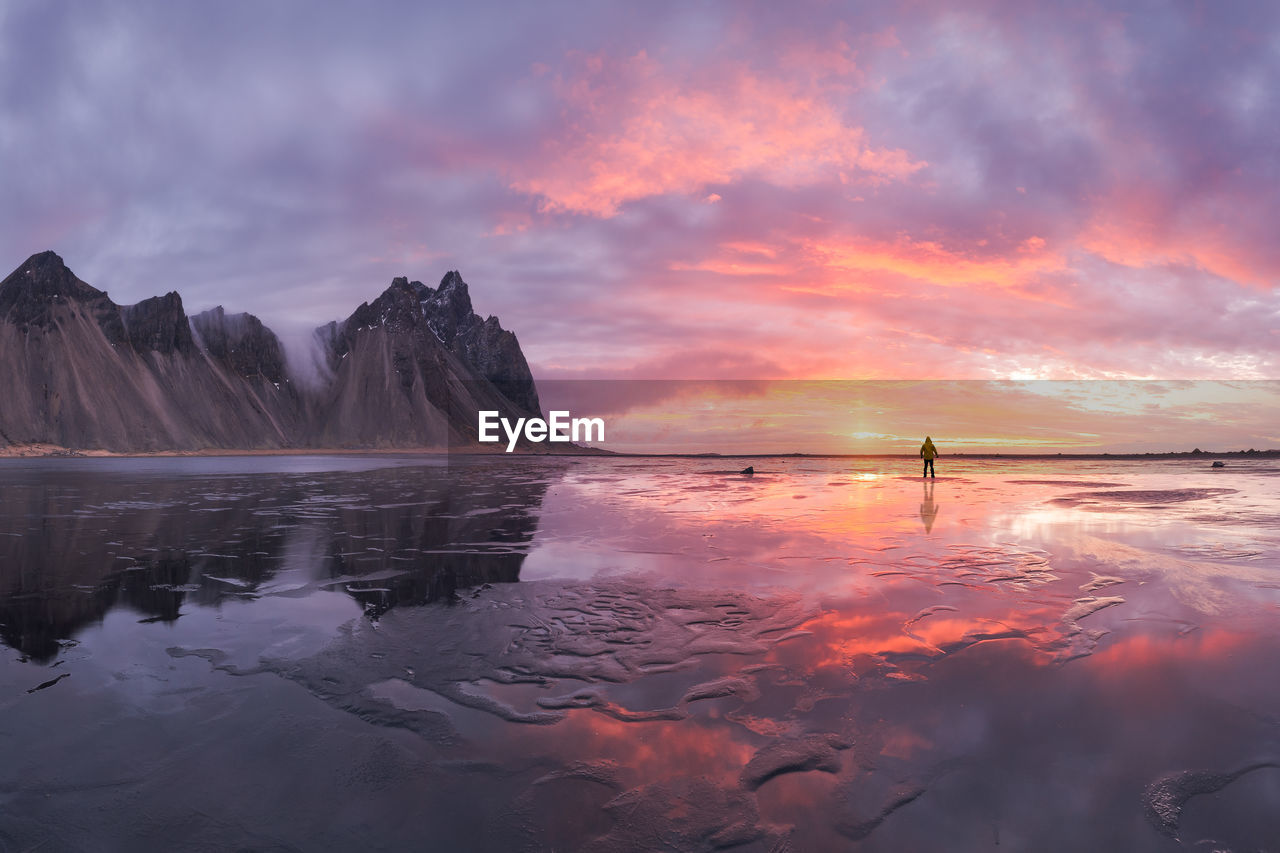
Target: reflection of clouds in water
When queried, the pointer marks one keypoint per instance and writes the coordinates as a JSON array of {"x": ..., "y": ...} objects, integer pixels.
[
  {"x": 659, "y": 709},
  {"x": 803, "y": 655},
  {"x": 1207, "y": 587}
]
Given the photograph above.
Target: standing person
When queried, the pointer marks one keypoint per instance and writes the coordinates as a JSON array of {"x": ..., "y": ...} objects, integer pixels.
[{"x": 928, "y": 453}]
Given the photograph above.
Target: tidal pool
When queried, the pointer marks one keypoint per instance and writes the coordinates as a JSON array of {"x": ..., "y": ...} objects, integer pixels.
[{"x": 520, "y": 653}]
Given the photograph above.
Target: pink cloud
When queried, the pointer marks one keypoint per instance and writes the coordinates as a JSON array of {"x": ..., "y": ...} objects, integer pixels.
[
  {"x": 636, "y": 128},
  {"x": 737, "y": 190},
  {"x": 1137, "y": 227}
]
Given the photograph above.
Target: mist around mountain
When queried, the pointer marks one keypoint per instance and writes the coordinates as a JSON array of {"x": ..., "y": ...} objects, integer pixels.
[{"x": 408, "y": 370}]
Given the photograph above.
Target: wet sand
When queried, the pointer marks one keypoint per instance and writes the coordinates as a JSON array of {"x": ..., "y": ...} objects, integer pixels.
[{"x": 387, "y": 652}]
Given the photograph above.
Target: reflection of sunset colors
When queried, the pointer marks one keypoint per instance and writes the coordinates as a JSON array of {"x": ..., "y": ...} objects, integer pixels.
[
  {"x": 655, "y": 750},
  {"x": 1020, "y": 563},
  {"x": 1028, "y": 636},
  {"x": 939, "y": 190},
  {"x": 646, "y": 654}
]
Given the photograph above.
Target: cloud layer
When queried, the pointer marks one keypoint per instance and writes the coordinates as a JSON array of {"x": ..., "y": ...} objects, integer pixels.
[{"x": 981, "y": 189}]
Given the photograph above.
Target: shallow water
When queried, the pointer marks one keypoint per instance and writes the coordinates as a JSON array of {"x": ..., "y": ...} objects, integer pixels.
[{"x": 633, "y": 654}]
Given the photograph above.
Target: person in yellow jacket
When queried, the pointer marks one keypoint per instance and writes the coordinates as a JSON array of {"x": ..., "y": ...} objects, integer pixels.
[{"x": 928, "y": 453}]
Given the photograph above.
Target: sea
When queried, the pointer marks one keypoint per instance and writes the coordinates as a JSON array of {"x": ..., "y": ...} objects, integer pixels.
[{"x": 615, "y": 654}]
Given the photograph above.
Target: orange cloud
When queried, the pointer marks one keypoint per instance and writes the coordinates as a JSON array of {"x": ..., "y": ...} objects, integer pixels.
[
  {"x": 1141, "y": 248},
  {"x": 730, "y": 267},
  {"x": 751, "y": 248},
  {"x": 842, "y": 269},
  {"x": 932, "y": 262},
  {"x": 1134, "y": 228},
  {"x": 645, "y": 131}
]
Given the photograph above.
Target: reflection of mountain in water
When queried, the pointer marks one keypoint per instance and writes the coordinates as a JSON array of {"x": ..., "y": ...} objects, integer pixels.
[{"x": 74, "y": 545}]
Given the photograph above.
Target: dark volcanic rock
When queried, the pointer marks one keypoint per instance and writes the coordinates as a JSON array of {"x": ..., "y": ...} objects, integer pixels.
[
  {"x": 410, "y": 369},
  {"x": 43, "y": 279},
  {"x": 80, "y": 371},
  {"x": 32, "y": 293},
  {"x": 483, "y": 345},
  {"x": 158, "y": 324},
  {"x": 449, "y": 307},
  {"x": 487, "y": 350},
  {"x": 240, "y": 342},
  {"x": 396, "y": 379},
  {"x": 398, "y": 310}
]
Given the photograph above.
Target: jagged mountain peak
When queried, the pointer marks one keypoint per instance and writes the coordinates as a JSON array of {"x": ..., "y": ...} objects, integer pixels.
[
  {"x": 217, "y": 313},
  {"x": 241, "y": 342},
  {"x": 482, "y": 345},
  {"x": 449, "y": 305},
  {"x": 399, "y": 307},
  {"x": 219, "y": 316},
  {"x": 44, "y": 263},
  {"x": 158, "y": 324},
  {"x": 41, "y": 279},
  {"x": 408, "y": 369},
  {"x": 48, "y": 259},
  {"x": 405, "y": 303},
  {"x": 453, "y": 283},
  {"x": 47, "y": 271}
]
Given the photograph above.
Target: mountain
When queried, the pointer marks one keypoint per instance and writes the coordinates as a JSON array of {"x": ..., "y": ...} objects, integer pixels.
[
  {"x": 241, "y": 344},
  {"x": 409, "y": 369},
  {"x": 414, "y": 366},
  {"x": 484, "y": 346}
]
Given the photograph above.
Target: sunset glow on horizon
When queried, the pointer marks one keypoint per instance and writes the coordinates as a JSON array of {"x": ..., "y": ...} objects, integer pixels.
[
  {"x": 883, "y": 417},
  {"x": 925, "y": 191}
]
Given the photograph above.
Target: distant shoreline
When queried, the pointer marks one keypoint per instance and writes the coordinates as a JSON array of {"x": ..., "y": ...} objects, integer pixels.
[
  {"x": 1164, "y": 454},
  {"x": 49, "y": 451}
]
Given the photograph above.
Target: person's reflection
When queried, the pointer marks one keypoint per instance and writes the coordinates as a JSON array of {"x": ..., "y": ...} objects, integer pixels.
[{"x": 928, "y": 509}]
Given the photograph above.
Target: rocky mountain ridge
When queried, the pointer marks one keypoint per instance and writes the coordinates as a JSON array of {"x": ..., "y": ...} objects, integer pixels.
[{"x": 408, "y": 370}]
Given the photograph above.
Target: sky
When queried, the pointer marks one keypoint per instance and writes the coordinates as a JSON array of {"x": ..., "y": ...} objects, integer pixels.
[
  {"x": 969, "y": 189},
  {"x": 1081, "y": 416}
]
